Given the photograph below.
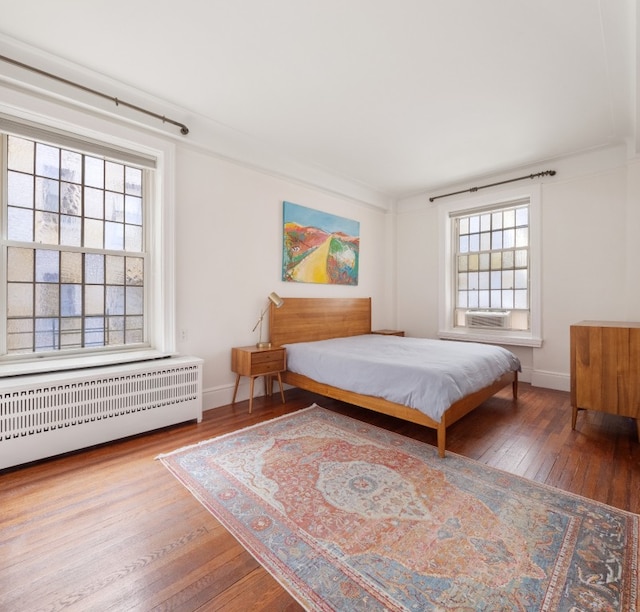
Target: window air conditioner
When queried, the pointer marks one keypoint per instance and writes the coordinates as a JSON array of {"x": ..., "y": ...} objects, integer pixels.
[{"x": 481, "y": 319}]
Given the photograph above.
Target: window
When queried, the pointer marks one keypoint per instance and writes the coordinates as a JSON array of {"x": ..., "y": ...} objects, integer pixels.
[
  {"x": 77, "y": 269},
  {"x": 491, "y": 267}
]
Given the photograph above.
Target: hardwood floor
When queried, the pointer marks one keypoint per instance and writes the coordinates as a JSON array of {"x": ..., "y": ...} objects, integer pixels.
[{"x": 111, "y": 529}]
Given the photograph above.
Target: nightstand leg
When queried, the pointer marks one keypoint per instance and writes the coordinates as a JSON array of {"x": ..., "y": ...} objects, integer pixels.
[
  {"x": 235, "y": 391},
  {"x": 252, "y": 379},
  {"x": 282, "y": 392}
]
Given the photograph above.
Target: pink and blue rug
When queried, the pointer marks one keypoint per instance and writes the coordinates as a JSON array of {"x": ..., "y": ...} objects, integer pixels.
[{"x": 348, "y": 516}]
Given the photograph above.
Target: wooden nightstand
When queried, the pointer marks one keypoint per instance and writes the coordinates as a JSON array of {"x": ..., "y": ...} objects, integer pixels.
[
  {"x": 254, "y": 362},
  {"x": 388, "y": 332}
]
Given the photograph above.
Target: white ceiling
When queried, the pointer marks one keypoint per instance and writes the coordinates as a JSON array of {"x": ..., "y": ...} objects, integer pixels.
[{"x": 397, "y": 96}]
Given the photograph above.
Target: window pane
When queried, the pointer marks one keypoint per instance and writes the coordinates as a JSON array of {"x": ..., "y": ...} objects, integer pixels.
[
  {"x": 114, "y": 207},
  {"x": 46, "y": 227},
  {"x": 522, "y": 237},
  {"x": 71, "y": 300},
  {"x": 47, "y": 300},
  {"x": 507, "y": 299},
  {"x": 507, "y": 279},
  {"x": 133, "y": 210},
  {"x": 70, "y": 267},
  {"x": 484, "y": 261},
  {"x": 509, "y": 218},
  {"x": 508, "y": 239},
  {"x": 135, "y": 271},
  {"x": 113, "y": 236},
  {"x": 20, "y": 190},
  {"x": 47, "y": 161},
  {"x": 19, "y": 299},
  {"x": 93, "y": 234},
  {"x": 463, "y": 263},
  {"x": 496, "y": 260},
  {"x": 474, "y": 243},
  {"x": 47, "y": 334},
  {"x": 114, "y": 270},
  {"x": 94, "y": 172},
  {"x": 462, "y": 281},
  {"x": 496, "y": 239},
  {"x": 133, "y": 238},
  {"x": 70, "y": 231},
  {"x": 496, "y": 220},
  {"x": 20, "y": 335},
  {"x": 70, "y": 199},
  {"x": 47, "y": 194},
  {"x": 94, "y": 269},
  {"x": 20, "y": 224},
  {"x": 71, "y": 332},
  {"x": 463, "y": 244},
  {"x": 474, "y": 262},
  {"x": 94, "y": 331},
  {"x": 483, "y": 299},
  {"x": 47, "y": 266},
  {"x": 507, "y": 260},
  {"x": 474, "y": 224},
  {"x": 20, "y": 154},
  {"x": 521, "y": 299},
  {"x": 521, "y": 279},
  {"x": 114, "y": 176},
  {"x": 133, "y": 181},
  {"x": 94, "y": 300},
  {"x": 134, "y": 298},
  {"x": 522, "y": 216},
  {"x": 521, "y": 259},
  {"x": 94, "y": 203},
  {"x": 115, "y": 300},
  {"x": 20, "y": 264},
  {"x": 71, "y": 166}
]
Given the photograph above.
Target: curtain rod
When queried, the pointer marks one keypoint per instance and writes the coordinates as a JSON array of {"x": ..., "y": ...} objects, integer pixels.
[
  {"x": 184, "y": 130},
  {"x": 473, "y": 189}
]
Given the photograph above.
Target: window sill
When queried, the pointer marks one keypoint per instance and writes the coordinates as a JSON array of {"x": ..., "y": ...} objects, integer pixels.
[
  {"x": 76, "y": 362},
  {"x": 491, "y": 337}
]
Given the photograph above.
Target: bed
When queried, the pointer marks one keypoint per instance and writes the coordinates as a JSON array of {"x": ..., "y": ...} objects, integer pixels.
[{"x": 305, "y": 320}]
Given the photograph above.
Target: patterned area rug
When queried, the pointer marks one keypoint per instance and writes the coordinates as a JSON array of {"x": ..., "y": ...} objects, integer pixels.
[{"x": 348, "y": 516}]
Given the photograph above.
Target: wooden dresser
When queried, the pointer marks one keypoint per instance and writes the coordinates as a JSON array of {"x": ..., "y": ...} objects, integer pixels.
[{"x": 605, "y": 368}]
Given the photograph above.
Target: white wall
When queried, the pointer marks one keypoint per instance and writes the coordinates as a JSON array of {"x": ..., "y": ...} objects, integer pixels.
[
  {"x": 590, "y": 229},
  {"x": 229, "y": 258},
  {"x": 228, "y": 242}
]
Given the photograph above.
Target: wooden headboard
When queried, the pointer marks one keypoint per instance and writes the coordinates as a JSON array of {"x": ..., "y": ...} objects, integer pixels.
[{"x": 306, "y": 319}]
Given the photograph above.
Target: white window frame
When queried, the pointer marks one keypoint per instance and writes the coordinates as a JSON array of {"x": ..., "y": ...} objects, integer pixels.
[
  {"x": 160, "y": 243},
  {"x": 446, "y": 214}
]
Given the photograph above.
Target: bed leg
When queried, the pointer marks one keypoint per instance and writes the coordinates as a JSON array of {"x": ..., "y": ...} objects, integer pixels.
[
  {"x": 514, "y": 386},
  {"x": 442, "y": 438}
]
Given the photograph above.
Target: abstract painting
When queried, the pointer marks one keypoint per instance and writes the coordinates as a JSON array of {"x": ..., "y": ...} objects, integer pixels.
[{"x": 319, "y": 247}]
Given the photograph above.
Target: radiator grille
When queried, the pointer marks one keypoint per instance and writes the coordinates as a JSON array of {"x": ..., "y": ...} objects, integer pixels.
[{"x": 33, "y": 409}]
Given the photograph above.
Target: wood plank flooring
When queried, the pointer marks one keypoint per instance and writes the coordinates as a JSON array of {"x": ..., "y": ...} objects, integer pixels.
[{"x": 111, "y": 529}]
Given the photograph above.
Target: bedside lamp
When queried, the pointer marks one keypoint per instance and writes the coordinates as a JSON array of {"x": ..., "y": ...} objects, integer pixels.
[{"x": 277, "y": 301}]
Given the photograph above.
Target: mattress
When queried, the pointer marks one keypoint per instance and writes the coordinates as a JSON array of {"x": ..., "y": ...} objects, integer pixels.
[{"x": 428, "y": 375}]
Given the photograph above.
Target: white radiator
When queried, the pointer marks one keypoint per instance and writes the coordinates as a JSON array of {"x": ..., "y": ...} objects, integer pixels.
[{"x": 46, "y": 415}]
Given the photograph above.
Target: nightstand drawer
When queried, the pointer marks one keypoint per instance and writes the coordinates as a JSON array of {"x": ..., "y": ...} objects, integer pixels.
[{"x": 268, "y": 361}]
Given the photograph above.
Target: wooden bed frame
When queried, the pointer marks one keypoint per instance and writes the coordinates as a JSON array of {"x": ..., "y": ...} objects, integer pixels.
[{"x": 307, "y": 319}]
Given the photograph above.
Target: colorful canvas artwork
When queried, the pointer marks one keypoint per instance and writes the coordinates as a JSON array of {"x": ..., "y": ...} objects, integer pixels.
[{"x": 319, "y": 247}]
